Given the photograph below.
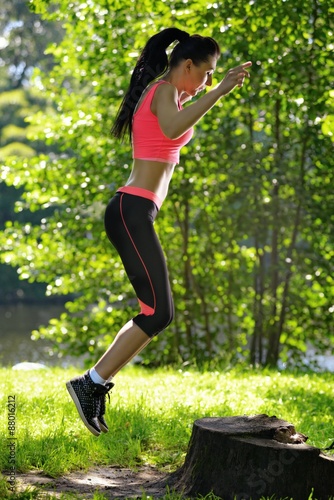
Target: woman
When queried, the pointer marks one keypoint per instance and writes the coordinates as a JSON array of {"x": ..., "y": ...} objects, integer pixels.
[{"x": 153, "y": 117}]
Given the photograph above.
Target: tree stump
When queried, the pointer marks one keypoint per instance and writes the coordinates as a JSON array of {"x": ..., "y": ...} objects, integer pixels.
[{"x": 240, "y": 458}]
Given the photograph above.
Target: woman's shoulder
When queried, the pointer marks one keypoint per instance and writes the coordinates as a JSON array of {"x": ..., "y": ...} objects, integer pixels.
[
  {"x": 165, "y": 90},
  {"x": 164, "y": 86},
  {"x": 165, "y": 96},
  {"x": 154, "y": 87},
  {"x": 157, "y": 91}
]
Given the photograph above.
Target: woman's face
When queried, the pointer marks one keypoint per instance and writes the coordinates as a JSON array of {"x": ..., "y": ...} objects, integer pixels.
[{"x": 199, "y": 76}]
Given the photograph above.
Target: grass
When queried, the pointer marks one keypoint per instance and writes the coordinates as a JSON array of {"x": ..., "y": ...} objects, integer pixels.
[
  {"x": 151, "y": 414},
  {"x": 36, "y": 495}
]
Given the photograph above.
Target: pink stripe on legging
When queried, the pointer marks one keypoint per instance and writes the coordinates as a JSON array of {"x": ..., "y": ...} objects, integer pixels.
[{"x": 144, "y": 193}]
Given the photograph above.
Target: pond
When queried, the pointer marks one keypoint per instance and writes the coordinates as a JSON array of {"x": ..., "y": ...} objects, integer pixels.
[
  {"x": 16, "y": 324},
  {"x": 16, "y": 346}
]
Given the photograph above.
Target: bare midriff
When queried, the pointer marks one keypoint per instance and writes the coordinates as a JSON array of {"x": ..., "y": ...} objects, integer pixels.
[{"x": 152, "y": 175}]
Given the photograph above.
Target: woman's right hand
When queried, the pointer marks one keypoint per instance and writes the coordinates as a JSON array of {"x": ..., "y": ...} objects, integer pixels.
[{"x": 234, "y": 78}]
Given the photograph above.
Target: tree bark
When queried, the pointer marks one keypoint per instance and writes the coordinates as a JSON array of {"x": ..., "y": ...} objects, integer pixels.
[
  {"x": 240, "y": 458},
  {"x": 184, "y": 227},
  {"x": 256, "y": 350}
]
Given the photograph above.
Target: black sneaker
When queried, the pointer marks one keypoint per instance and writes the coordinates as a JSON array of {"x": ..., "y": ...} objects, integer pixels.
[
  {"x": 87, "y": 398},
  {"x": 103, "y": 391}
]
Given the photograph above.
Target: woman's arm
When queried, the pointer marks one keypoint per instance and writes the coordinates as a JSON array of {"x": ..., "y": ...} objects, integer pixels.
[{"x": 174, "y": 122}]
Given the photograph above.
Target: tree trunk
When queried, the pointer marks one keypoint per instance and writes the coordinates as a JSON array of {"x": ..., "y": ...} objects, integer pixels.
[
  {"x": 240, "y": 458},
  {"x": 273, "y": 353},
  {"x": 256, "y": 350},
  {"x": 184, "y": 227}
]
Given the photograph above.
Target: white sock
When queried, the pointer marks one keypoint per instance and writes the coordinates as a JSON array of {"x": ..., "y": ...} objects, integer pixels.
[{"x": 96, "y": 378}]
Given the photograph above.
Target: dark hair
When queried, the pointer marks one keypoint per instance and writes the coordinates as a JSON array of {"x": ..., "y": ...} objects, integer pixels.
[{"x": 153, "y": 62}]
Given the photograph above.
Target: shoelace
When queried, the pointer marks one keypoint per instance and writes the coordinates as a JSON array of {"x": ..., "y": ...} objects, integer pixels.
[{"x": 100, "y": 394}]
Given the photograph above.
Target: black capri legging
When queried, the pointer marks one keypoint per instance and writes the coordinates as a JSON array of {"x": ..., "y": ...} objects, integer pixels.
[{"x": 129, "y": 225}]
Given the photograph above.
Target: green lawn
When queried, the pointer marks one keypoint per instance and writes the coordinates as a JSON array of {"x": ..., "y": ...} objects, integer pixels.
[{"x": 151, "y": 413}]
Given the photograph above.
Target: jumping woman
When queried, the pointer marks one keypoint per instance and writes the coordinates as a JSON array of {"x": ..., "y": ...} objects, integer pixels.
[{"x": 153, "y": 117}]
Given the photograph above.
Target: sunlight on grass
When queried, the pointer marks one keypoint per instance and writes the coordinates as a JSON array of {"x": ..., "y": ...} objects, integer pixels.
[{"x": 151, "y": 414}]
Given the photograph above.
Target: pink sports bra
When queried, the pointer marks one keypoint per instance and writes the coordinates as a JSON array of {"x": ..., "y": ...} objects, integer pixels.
[{"x": 148, "y": 140}]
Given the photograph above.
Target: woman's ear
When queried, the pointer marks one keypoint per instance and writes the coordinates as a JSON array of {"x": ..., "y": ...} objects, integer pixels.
[{"x": 188, "y": 64}]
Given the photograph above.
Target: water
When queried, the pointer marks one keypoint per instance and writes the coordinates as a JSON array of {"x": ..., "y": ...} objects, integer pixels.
[
  {"x": 19, "y": 320},
  {"x": 16, "y": 324}
]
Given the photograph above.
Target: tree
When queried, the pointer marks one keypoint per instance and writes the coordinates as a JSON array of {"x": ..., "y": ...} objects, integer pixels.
[
  {"x": 249, "y": 260},
  {"x": 24, "y": 37}
]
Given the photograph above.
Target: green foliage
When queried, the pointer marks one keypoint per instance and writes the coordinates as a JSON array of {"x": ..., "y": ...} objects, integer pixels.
[
  {"x": 16, "y": 149},
  {"x": 23, "y": 38},
  {"x": 247, "y": 226}
]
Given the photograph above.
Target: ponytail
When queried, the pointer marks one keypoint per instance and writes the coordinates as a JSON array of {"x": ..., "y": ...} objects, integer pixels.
[{"x": 152, "y": 63}]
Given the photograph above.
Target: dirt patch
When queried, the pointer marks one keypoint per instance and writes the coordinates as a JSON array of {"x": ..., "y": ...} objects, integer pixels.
[{"x": 113, "y": 482}]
